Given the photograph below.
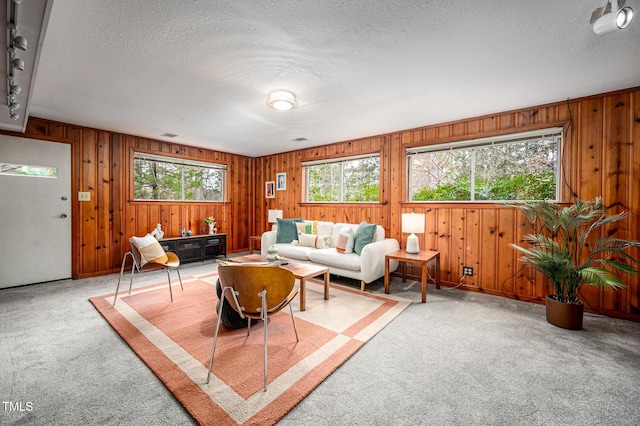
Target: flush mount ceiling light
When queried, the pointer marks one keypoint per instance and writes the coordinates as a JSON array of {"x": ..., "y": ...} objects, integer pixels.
[
  {"x": 282, "y": 100},
  {"x": 615, "y": 19}
]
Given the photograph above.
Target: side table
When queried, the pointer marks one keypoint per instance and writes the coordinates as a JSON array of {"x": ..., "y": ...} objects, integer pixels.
[
  {"x": 254, "y": 240},
  {"x": 423, "y": 257}
]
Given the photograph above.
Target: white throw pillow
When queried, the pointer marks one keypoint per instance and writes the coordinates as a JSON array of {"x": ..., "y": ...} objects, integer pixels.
[
  {"x": 317, "y": 241},
  {"x": 150, "y": 250},
  {"x": 344, "y": 243}
]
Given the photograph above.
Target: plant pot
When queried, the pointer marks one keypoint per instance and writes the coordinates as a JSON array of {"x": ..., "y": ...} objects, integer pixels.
[{"x": 565, "y": 315}]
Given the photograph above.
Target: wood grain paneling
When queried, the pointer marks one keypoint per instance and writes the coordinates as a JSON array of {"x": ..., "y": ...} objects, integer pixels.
[
  {"x": 600, "y": 158},
  {"x": 101, "y": 164}
]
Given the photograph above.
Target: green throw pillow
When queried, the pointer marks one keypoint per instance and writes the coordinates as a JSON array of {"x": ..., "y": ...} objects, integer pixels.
[
  {"x": 287, "y": 230},
  {"x": 364, "y": 235}
]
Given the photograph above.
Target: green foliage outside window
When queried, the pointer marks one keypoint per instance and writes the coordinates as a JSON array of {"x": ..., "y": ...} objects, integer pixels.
[
  {"x": 350, "y": 181},
  {"x": 158, "y": 180},
  {"x": 519, "y": 170}
]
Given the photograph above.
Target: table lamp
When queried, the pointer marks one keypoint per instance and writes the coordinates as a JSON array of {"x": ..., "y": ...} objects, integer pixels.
[
  {"x": 413, "y": 223},
  {"x": 273, "y": 216}
]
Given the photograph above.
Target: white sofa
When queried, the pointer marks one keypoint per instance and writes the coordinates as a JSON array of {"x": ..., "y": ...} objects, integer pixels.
[{"x": 367, "y": 266}]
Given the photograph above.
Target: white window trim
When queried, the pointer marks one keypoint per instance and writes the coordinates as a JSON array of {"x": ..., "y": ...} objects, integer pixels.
[
  {"x": 183, "y": 162},
  {"x": 552, "y": 132},
  {"x": 307, "y": 164}
]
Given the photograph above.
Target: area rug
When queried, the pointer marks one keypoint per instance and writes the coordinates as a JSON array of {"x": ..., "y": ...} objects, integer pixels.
[{"x": 174, "y": 340}]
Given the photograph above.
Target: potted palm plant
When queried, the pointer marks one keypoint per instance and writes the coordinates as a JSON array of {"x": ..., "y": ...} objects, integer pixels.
[{"x": 570, "y": 247}]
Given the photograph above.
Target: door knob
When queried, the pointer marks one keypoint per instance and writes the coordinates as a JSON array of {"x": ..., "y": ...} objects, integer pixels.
[
  {"x": 63, "y": 215},
  {"x": 63, "y": 198}
]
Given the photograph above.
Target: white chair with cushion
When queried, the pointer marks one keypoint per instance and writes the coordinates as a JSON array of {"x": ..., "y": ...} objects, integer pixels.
[{"x": 147, "y": 255}]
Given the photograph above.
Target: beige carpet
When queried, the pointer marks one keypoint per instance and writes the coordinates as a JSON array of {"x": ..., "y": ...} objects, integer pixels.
[{"x": 174, "y": 340}]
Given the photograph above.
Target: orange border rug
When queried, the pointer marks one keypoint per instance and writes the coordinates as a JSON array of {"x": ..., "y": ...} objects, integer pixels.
[{"x": 174, "y": 340}]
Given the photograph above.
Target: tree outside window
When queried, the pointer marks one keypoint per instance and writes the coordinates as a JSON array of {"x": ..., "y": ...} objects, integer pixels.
[
  {"x": 347, "y": 180},
  {"x": 511, "y": 168},
  {"x": 159, "y": 178}
]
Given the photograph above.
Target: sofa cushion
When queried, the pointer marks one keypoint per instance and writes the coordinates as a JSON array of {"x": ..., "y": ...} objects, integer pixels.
[
  {"x": 287, "y": 231},
  {"x": 324, "y": 228},
  {"x": 345, "y": 240},
  {"x": 333, "y": 259},
  {"x": 363, "y": 236},
  {"x": 291, "y": 251}
]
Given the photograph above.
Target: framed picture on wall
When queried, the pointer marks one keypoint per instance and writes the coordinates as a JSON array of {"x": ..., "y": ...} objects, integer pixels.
[
  {"x": 281, "y": 181},
  {"x": 269, "y": 189}
]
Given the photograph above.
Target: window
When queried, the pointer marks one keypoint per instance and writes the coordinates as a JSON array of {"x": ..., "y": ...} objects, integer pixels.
[
  {"x": 24, "y": 170},
  {"x": 347, "y": 180},
  {"x": 173, "y": 179},
  {"x": 522, "y": 166}
]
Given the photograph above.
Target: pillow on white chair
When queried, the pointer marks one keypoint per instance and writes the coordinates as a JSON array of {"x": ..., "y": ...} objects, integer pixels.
[{"x": 150, "y": 250}]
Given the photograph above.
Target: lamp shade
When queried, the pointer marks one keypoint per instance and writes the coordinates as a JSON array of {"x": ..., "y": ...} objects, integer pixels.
[
  {"x": 274, "y": 215},
  {"x": 413, "y": 223}
]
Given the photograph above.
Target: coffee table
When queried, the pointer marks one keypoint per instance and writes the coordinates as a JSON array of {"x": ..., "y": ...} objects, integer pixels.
[{"x": 301, "y": 271}]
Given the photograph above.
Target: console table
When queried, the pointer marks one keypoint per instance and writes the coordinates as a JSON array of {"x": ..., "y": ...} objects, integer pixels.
[{"x": 196, "y": 247}]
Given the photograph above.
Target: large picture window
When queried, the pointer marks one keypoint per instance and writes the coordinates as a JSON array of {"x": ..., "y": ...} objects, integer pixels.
[
  {"x": 172, "y": 179},
  {"x": 523, "y": 166},
  {"x": 346, "y": 180}
]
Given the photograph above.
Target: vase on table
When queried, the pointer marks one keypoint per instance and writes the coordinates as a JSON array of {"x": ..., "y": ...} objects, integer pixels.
[{"x": 211, "y": 228}]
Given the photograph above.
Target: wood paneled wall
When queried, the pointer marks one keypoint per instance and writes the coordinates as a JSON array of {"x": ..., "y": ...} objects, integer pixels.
[
  {"x": 600, "y": 158},
  {"x": 102, "y": 165}
]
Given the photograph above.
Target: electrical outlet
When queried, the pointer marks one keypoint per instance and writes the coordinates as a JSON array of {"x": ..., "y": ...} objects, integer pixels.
[
  {"x": 467, "y": 270},
  {"x": 84, "y": 196}
]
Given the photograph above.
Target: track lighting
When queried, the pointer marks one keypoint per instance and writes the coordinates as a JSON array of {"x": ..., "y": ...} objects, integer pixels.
[
  {"x": 282, "y": 100},
  {"x": 18, "y": 64},
  {"x": 616, "y": 18},
  {"x": 20, "y": 42},
  {"x": 15, "y": 89}
]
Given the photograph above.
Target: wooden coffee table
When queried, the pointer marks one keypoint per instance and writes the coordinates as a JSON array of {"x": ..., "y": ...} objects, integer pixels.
[{"x": 301, "y": 271}]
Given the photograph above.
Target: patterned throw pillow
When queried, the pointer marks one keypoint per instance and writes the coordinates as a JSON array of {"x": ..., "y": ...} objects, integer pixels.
[
  {"x": 307, "y": 227},
  {"x": 150, "y": 250},
  {"x": 344, "y": 243}
]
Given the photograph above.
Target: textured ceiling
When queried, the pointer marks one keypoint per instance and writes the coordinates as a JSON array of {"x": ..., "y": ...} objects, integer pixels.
[{"x": 203, "y": 69}]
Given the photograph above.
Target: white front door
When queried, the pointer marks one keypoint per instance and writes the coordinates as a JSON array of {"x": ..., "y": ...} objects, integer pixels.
[{"x": 35, "y": 211}]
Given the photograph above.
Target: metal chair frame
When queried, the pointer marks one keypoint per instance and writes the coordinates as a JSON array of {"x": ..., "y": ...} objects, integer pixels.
[
  {"x": 262, "y": 313},
  {"x": 135, "y": 257}
]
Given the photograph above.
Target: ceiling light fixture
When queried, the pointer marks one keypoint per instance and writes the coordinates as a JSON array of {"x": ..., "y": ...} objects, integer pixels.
[
  {"x": 282, "y": 100},
  {"x": 18, "y": 64},
  {"x": 14, "y": 89},
  {"x": 20, "y": 42},
  {"x": 615, "y": 19},
  {"x": 15, "y": 42}
]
